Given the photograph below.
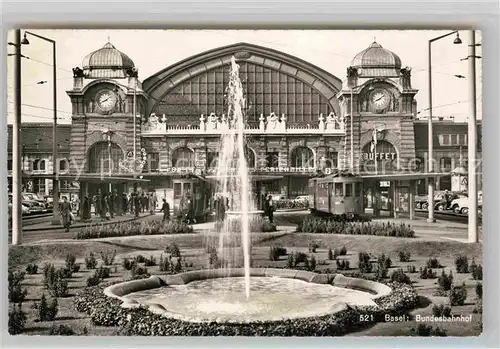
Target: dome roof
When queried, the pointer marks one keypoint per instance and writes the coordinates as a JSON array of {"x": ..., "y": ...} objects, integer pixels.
[
  {"x": 107, "y": 62},
  {"x": 377, "y": 61}
]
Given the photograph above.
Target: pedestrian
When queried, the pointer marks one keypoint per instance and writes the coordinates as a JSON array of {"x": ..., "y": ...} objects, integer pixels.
[
  {"x": 111, "y": 204},
  {"x": 66, "y": 213},
  {"x": 165, "y": 208},
  {"x": 137, "y": 204},
  {"x": 270, "y": 208},
  {"x": 86, "y": 208},
  {"x": 125, "y": 203},
  {"x": 151, "y": 204}
]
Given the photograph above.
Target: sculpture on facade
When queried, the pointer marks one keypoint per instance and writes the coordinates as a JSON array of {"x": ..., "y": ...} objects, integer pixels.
[
  {"x": 133, "y": 72},
  {"x": 332, "y": 122},
  {"x": 406, "y": 78},
  {"x": 272, "y": 121},
  {"x": 77, "y": 72},
  {"x": 212, "y": 122}
]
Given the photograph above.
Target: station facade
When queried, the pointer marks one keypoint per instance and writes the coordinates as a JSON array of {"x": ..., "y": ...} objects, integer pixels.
[{"x": 300, "y": 120}]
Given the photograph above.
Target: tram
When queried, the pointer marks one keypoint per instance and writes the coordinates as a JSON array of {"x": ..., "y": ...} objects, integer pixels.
[{"x": 340, "y": 193}]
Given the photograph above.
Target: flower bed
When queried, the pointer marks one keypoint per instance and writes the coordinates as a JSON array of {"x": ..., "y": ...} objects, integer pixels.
[
  {"x": 106, "y": 311},
  {"x": 133, "y": 228},
  {"x": 257, "y": 225},
  {"x": 320, "y": 225}
]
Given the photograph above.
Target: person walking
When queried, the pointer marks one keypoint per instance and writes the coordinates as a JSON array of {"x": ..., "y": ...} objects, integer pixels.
[
  {"x": 66, "y": 213},
  {"x": 151, "y": 204},
  {"x": 86, "y": 209},
  {"x": 165, "y": 208},
  {"x": 270, "y": 208}
]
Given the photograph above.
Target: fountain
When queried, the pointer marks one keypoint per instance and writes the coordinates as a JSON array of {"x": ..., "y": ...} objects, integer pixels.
[{"x": 223, "y": 294}]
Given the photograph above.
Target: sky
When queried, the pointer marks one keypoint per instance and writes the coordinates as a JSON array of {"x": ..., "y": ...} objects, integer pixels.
[{"x": 331, "y": 50}]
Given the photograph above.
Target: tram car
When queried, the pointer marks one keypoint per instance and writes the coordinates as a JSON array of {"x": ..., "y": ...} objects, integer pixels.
[{"x": 336, "y": 194}]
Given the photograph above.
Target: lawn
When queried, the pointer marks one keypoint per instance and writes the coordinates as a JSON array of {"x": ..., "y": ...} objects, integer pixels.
[{"x": 195, "y": 256}]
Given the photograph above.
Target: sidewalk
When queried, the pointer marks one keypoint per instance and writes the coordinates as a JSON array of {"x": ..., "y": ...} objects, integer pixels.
[{"x": 47, "y": 225}]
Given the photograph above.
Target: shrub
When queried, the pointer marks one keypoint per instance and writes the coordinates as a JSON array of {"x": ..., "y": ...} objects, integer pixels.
[
  {"x": 476, "y": 270},
  {"x": 61, "y": 330},
  {"x": 164, "y": 264},
  {"x": 108, "y": 257},
  {"x": 400, "y": 276},
  {"x": 404, "y": 256},
  {"x": 137, "y": 271},
  {"x": 178, "y": 266},
  {"x": 32, "y": 269},
  {"x": 70, "y": 261},
  {"x": 478, "y": 308},
  {"x": 46, "y": 311},
  {"x": 479, "y": 290},
  {"x": 16, "y": 293},
  {"x": 59, "y": 288},
  {"x": 140, "y": 259},
  {"x": 381, "y": 272},
  {"x": 462, "y": 264},
  {"x": 343, "y": 251},
  {"x": 331, "y": 255},
  {"x": 424, "y": 330},
  {"x": 312, "y": 263},
  {"x": 445, "y": 281},
  {"x": 213, "y": 258},
  {"x": 275, "y": 252},
  {"x": 433, "y": 263},
  {"x": 313, "y": 245},
  {"x": 441, "y": 310},
  {"x": 150, "y": 262},
  {"x": 173, "y": 249},
  {"x": 300, "y": 257},
  {"x": 458, "y": 295},
  {"x": 290, "y": 263},
  {"x": 93, "y": 280},
  {"x": 102, "y": 273},
  {"x": 427, "y": 273},
  {"x": 256, "y": 224},
  {"x": 342, "y": 265},
  {"x": 17, "y": 319},
  {"x": 90, "y": 262},
  {"x": 127, "y": 264},
  {"x": 384, "y": 261},
  {"x": 411, "y": 269},
  {"x": 364, "y": 264}
]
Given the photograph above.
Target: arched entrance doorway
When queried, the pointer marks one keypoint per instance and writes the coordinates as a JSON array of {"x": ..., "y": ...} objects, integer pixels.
[
  {"x": 104, "y": 159},
  {"x": 382, "y": 158}
]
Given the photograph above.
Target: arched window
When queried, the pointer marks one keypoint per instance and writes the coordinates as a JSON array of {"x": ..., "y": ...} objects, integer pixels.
[
  {"x": 384, "y": 155},
  {"x": 250, "y": 157},
  {"x": 303, "y": 157},
  {"x": 183, "y": 157},
  {"x": 101, "y": 155},
  {"x": 63, "y": 165},
  {"x": 41, "y": 165},
  {"x": 36, "y": 164},
  {"x": 212, "y": 159}
]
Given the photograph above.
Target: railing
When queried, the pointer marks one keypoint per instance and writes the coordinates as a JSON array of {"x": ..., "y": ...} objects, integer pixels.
[{"x": 272, "y": 124}]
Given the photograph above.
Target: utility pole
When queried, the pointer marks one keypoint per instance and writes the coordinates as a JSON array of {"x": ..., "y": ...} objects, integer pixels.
[{"x": 472, "y": 141}]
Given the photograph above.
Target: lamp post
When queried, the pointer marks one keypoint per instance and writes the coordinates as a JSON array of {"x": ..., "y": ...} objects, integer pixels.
[
  {"x": 457, "y": 40},
  {"x": 56, "y": 220},
  {"x": 472, "y": 141},
  {"x": 16, "y": 145}
]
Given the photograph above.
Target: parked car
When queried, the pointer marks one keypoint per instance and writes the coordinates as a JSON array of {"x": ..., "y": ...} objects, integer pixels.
[
  {"x": 277, "y": 197},
  {"x": 301, "y": 199},
  {"x": 461, "y": 204},
  {"x": 440, "y": 203},
  {"x": 24, "y": 209},
  {"x": 34, "y": 197}
]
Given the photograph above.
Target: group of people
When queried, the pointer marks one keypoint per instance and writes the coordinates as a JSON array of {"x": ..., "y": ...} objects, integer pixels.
[{"x": 108, "y": 205}]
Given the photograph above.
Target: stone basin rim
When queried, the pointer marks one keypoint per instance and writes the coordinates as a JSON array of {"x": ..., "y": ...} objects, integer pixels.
[{"x": 120, "y": 290}]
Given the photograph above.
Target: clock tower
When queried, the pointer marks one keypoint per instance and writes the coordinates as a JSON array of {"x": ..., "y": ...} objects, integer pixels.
[
  {"x": 107, "y": 106},
  {"x": 379, "y": 107}
]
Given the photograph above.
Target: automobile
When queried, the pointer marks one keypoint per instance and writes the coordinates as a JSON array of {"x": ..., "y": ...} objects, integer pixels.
[
  {"x": 32, "y": 205},
  {"x": 301, "y": 199},
  {"x": 277, "y": 197},
  {"x": 37, "y": 198},
  {"x": 24, "y": 209},
  {"x": 461, "y": 204},
  {"x": 440, "y": 204}
]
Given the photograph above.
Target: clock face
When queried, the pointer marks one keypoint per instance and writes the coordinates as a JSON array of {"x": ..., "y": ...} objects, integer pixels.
[
  {"x": 106, "y": 100},
  {"x": 380, "y": 99}
]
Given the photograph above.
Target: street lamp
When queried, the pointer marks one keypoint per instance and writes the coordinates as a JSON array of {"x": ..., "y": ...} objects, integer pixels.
[
  {"x": 457, "y": 40},
  {"x": 55, "y": 184}
]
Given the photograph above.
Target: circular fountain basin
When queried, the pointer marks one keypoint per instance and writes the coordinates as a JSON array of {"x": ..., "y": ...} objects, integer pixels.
[
  {"x": 219, "y": 295},
  {"x": 232, "y": 214}
]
